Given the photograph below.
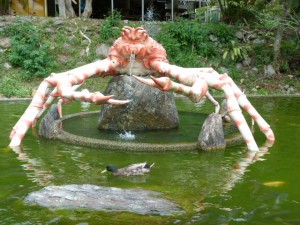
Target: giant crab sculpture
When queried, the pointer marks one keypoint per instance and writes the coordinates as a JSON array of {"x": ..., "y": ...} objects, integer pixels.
[{"x": 135, "y": 53}]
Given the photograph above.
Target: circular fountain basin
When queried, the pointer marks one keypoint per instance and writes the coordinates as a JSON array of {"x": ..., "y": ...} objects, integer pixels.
[{"x": 81, "y": 129}]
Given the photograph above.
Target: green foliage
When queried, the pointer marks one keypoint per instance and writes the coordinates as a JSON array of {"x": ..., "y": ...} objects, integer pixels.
[
  {"x": 263, "y": 54},
  {"x": 28, "y": 51},
  {"x": 224, "y": 33},
  {"x": 186, "y": 42},
  {"x": 235, "y": 52},
  {"x": 12, "y": 85},
  {"x": 290, "y": 53},
  {"x": 111, "y": 27},
  {"x": 236, "y": 11}
]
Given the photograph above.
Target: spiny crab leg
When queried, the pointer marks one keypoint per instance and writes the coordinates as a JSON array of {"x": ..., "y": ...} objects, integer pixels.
[
  {"x": 245, "y": 104},
  {"x": 233, "y": 94},
  {"x": 48, "y": 102},
  {"x": 197, "y": 91},
  {"x": 63, "y": 83},
  {"x": 165, "y": 84},
  {"x": 234, "y": 111}
]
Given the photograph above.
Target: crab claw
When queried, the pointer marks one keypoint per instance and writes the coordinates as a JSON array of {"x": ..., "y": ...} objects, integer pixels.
[
  {"x": 163, "y": 83},
  {"x": 117, "y": 102},
  {"x": 149, "y": 82},
  {"x": 99, "y": 98}
]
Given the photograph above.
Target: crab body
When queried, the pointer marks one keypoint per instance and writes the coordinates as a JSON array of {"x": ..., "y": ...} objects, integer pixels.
[{"x": 135, "y": 53}]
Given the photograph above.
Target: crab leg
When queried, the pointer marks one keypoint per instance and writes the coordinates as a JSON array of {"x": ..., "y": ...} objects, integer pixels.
[
  {"x": 245, "y": 104},
  {"x": 29, "y": 115},
  {"x": 219, "y": 82},
  {"x": 195, "y": 93},
  {"x": 63, "y": 83},
  {"x": 213, "y": 101}
]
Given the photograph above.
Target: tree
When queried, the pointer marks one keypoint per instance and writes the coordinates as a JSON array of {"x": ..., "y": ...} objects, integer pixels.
[
  {"x": 280, "y": 16},
  {"x": 66, "y": 10},
  {"x": 4, "y": 7}
]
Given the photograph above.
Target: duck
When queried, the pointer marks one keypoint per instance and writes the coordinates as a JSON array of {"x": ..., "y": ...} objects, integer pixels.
[{"x": 131, "y": 170}]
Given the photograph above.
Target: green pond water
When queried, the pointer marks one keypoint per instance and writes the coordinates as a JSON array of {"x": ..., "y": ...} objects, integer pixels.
[{"x": 204, "y": 184}]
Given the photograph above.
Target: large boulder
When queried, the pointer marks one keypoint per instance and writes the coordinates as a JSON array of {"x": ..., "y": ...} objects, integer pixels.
[
  {"x": 149, "y": 109},
  {"x": 109, "y": 199}
]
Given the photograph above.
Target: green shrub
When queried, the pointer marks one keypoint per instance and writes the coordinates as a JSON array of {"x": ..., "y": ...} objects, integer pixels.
[
  {"x": 13, "y": 86},
  {"x": 111, "y": 27},
  {"x": 28, "y": 51},
  {"x": 188, "y": 40},
  {"x": 263, "y": 54},
  {"x": 225, "y": 33},
  {"x": 236, "y": 52}
]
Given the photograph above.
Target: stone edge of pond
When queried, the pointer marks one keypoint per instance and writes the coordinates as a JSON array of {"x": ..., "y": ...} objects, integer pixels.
[
  {"x": 126, "y": 146},
  {"x": 69, "y": 138}
]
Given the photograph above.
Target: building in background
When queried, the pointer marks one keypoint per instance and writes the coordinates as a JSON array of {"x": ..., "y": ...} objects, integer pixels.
[{"x": 202, "y": 10}]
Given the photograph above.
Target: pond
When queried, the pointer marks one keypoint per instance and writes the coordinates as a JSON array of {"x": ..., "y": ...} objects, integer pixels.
[{"x": 204, "y": 184}]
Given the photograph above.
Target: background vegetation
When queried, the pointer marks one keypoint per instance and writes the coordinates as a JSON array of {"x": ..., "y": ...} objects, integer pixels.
[{"x": 40, "y": 46}]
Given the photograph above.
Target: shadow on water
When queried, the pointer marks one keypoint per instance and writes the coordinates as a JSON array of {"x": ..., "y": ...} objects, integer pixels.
[{"x": 219, "y": 187}]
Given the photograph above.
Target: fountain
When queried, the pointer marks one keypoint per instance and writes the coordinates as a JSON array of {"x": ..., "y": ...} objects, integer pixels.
[
  {"x": 135, "y": 53},
  {"x": 150, "y": 122}
]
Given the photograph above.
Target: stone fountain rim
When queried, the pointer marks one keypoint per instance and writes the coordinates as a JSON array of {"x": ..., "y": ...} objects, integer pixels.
[{"x": 70, "y": 138}]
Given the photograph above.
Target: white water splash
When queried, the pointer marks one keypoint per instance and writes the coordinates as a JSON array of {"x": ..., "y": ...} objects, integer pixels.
[
  {"x": 132, "y": 59},
  {"x": 127, "y": 135}
]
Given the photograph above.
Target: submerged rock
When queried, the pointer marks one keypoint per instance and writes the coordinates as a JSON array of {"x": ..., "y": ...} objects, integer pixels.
[{"x": 109, "y": 199}]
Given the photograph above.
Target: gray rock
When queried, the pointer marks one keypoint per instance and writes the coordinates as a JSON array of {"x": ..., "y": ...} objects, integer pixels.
[
  {"x": 247, "y": 61},
  {"x": 239, "y": 66},
  {"x": 103, "y": 50},
  {"x": 47, "y": 128},
  {"x": 258, "y": 41},
  {"x": 291, "y": 90},
  {"x": 58, "y": 23},
  {"x": 49, "y": 30},
  {"x": 213, "y": 38},
  {"x": 150, "y": 108},
  {"x": 108, "y": 199},
  {"x": 212, "y": 135},
  {"x": 223, "y": 69},
  {"x": 6, "y": 65},
  {"x": 5, "y": 42},
  {"x": 253, "y": 36},
  {"x": 254, "y": 70},
  {"x": 239, "y": 35},
  {"x": 270, "y": 71}
]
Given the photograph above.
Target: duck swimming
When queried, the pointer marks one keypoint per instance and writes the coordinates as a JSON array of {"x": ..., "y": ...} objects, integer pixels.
[{"x": 131, "y": 170}]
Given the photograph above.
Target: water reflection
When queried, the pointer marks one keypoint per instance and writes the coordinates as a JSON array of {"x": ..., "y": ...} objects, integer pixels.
[
  {"x": 38, "y": 174},
  {"x": 213, "y": 187},
  {"x": 212, "y": 171}
]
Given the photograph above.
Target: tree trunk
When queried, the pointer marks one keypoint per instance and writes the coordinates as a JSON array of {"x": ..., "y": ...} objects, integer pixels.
[
  {"x": 88, "y": 9},
  {"x": 62, "y": 8},
  {"x": 65, "y": 9},
  {"x": 279, "y": 32},
  {"x": 70, "y": 11}
]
